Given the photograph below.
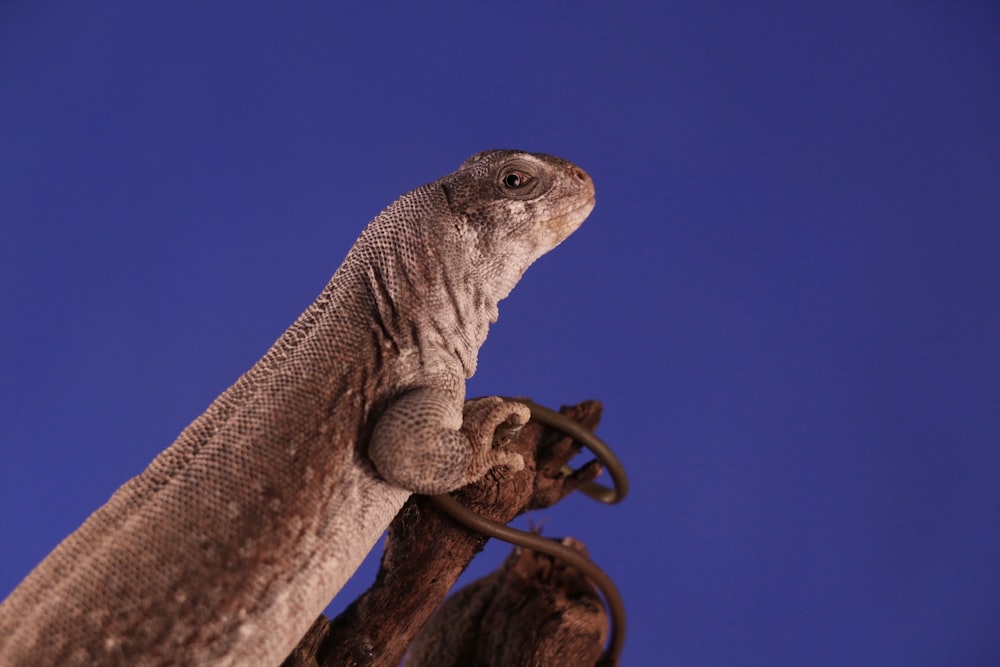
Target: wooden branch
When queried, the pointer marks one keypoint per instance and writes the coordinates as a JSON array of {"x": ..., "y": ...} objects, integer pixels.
[
  {"x": 426, "y": 551},
  {"x": 533, "y": 611}
]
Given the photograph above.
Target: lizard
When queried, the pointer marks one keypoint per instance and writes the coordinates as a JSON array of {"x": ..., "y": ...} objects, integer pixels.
[{"x": 233, "y": 540}]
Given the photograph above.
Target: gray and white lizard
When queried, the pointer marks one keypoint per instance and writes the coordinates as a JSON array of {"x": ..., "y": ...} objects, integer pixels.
[{"x": 234, "y": 539}]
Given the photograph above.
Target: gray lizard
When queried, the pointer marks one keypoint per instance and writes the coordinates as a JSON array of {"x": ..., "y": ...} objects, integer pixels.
[{"x": 233, "y": 540}]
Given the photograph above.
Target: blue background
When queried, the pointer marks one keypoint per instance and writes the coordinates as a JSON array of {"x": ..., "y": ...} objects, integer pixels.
[{"x": 787, "y": 296}]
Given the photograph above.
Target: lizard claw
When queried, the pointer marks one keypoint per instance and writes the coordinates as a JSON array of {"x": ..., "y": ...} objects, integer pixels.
[
  {"x": 510, "y": 427},
  {"x": 492, "y": 422}
]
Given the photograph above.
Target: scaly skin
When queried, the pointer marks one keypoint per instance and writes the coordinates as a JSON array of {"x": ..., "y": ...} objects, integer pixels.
[{"x": 227, "y": 547}]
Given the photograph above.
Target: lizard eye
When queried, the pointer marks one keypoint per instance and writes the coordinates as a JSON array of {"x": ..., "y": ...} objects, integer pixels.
[
  {"x": 515, "y": 179},
  {"x": 520, "y": 179}
]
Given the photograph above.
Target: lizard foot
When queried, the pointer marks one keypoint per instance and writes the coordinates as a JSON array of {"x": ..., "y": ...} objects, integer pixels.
[{"x": 490, "y": 423}]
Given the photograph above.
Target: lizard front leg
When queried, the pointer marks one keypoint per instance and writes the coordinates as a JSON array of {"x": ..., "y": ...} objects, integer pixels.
[{"x": 425, "y": 443}]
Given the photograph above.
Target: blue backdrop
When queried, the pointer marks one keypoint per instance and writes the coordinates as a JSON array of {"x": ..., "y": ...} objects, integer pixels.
[{"x": 787, "y": 296}]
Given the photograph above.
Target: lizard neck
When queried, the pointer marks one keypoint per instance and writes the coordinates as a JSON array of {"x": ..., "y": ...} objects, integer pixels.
[
  {"x": 432, "y": 315},
  {"x": 448, "y": 314}
]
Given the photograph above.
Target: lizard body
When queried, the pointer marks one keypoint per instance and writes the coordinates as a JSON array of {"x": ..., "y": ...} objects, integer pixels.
[{"x": 233, "y": 540}]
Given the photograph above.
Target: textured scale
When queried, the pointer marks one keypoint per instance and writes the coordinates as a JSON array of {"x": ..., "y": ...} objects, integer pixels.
[{"x": 237, "y": 536}]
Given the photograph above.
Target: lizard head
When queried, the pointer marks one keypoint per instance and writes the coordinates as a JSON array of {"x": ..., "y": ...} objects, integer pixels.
[{"x": 513, "y": 207}]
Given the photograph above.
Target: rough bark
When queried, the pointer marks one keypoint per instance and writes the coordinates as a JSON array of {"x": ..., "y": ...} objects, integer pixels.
[
  {"x": 426, "y": 551},
  {"x": 535, "y": 611}
]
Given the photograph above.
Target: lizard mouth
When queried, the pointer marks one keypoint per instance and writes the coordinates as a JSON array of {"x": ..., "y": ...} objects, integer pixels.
[{"x": 567, "y": 223}]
